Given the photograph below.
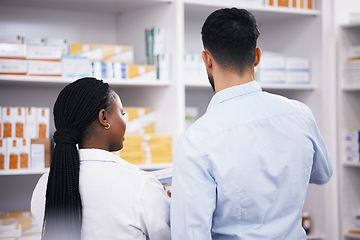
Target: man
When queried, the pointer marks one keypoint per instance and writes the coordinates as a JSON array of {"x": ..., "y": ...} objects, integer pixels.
[{"x": 242, "y": 170}]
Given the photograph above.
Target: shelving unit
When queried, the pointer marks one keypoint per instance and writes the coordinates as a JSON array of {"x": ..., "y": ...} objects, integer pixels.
[
  {"x": 100, "y": 22},
  {"x": 137, "y": 81},
  {"x": 352, "y": 236},
  {"x": 349, "y": 119}
]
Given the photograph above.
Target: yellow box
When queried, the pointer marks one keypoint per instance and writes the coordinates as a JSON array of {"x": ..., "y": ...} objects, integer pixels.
[
  {"x": 161, "y": 159},
  {"x": 121, "y": 53},
  {"x": 137, "y": 70}
]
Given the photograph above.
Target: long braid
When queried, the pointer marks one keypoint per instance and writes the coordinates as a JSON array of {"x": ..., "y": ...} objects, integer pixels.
[{"x": 76, "y": 107}]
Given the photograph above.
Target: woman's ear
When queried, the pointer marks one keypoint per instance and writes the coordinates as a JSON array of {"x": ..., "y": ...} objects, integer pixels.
[
  {"x": 103, "y": 117},
  {"x": 257, "y": 56}
]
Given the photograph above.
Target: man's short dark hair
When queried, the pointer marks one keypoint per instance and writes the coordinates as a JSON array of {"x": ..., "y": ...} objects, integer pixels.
[{"x": 231, "y": 35}]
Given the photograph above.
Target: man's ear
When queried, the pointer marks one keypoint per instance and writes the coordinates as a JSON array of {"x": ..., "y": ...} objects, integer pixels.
[
  {"x": 207, "y": 58},
  {"x": 257, "y": 56},
  {"x": 103, "y": 117}
]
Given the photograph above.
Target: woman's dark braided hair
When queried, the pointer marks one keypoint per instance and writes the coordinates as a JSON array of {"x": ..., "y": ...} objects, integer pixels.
[{"x": 76, "y": 107}]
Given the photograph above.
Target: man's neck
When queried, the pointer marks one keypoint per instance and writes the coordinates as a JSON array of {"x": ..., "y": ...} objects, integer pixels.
[{"x": 227, "y": 78}]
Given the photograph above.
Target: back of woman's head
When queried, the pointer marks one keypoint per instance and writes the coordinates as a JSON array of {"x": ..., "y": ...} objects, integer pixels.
[{"x": 76, "y": 107}]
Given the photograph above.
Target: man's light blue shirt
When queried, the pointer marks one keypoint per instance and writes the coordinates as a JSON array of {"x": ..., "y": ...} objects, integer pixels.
[{"x": 242, "y": 170}]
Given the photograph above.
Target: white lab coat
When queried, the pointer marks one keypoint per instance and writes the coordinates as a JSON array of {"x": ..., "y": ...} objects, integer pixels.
[{"x": 119, "y": 200}]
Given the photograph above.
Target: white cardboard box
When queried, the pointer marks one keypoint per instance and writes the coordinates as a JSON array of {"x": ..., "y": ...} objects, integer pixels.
[
  {"x": 31, "y": 122},
  {"x": 12, "y": 153},
  {"x": 13, "y": 66},
  {"x": 44, "y": 52},
  {"x": 10, "y": 50},
  {"x": 43, "y": 119},
  {"x": 8, "y": 115},
  {"x": 45, "y": 68},
  {"x": 24, "y": 153}
]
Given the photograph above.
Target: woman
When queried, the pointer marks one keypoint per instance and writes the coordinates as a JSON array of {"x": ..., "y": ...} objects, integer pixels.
[{"x": 91, "y": 193}]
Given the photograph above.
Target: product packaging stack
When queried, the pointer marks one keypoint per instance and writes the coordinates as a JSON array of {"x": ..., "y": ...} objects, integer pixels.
[
  {"x": 155, "y": 52},
  {"x": 56, "y": 57},
  {"x": 33, "y": 56},
  {"x": 19, "y": 225},
  {"x": 352, "y": 146},
  {"x": 106, "y": 61},
  {"x": 352, "y": 66},
  {"x": 355, "y": 224},
  {"x": 142, "y": 144},
  {"x": 24, "y": 138},
  {"x": 275, "y": 68},
  {"x": 301, "y": 4},
  {"x": 194, "y": 69}
]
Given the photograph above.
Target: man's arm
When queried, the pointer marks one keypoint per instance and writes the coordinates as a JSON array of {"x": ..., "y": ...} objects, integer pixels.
[
  {"x": 193, "y": 198},
  {"x": 322, "y": 168}
]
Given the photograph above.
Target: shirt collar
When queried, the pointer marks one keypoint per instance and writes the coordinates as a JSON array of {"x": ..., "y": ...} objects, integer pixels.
[{"x": 234, "y": 92}]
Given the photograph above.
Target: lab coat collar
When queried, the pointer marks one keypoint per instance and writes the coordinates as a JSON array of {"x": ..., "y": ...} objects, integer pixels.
[
  {"x": 102, "y": 156},
  {"x": 233, "y": 92}
]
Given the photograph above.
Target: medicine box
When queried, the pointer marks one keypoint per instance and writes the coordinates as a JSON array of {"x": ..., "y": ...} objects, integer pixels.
[
  {"x": 12, "y": 153},
  {"x": 140, "y": 120},
  {"x": 19, "y": 121},
  {"x": 43, "y": 118},
  {"x": 13, "y": 67},
  {"x": 15, "y": 39},
  {"x": 37, "y": 156},
  {"x": 31, "y": 122},
  {"x": 353, "y": 52},
  {"x": 8, "y": 115},
  {"x": 47, "y": 149},
  {"x": 61, "y": 42},
  {"x": 75, "y": 66},
  {"x": 44, "y": 68},
  {"x": 38, "y": 41},
  {"x": 99, "y": 52},
  {"x": 53, "y": 53},
  {"x": 24, "y": 152},
  {"x": 13, "y": 51},
  {"x": 1, "y": 123},
  {"x": 3, "y": 149}
]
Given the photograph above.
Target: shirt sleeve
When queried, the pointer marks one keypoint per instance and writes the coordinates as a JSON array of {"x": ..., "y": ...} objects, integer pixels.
[
  {"x": 38, "y": 199},
  {"x": 155, "y": 210},
  {"x": 322, "y": 168},
  {"x": 193, "y": 195}
]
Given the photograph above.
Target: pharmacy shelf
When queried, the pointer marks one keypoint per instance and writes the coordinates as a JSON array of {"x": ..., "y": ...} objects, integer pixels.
[
  {"x": 351, "y": 164},
  {"x": 199, "y": 9},
  {"x": 264, "y": 86},
  {"x": 154, "y": 166},
  {"x": 353, "y": 87},
  {"x": 352, "y": 236},
  {"x": 105, "y": 6},
  {"x": 146, "y": 167},
  {"x": 23, "y": 172},
  {"x": 137, "y": 81},
  {"x": 314, "y": 237}
]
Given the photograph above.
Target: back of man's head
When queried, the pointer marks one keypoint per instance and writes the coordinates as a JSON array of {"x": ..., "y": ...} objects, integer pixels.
[{"x": 230, "y": 35}]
